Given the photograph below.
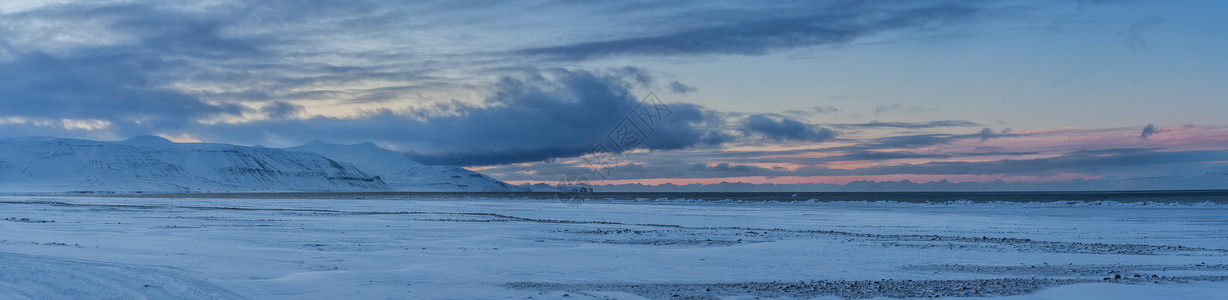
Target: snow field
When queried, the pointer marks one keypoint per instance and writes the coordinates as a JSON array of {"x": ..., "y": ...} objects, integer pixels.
[{"x": 83, "y": 247}]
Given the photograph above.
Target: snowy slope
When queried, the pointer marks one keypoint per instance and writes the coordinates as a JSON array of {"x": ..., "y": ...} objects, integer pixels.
[
  {"x": 157, "y": 165},
  {"x": 404, "y": 174}
]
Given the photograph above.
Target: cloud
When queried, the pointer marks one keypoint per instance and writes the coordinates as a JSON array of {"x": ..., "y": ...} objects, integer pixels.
[
  {"x": 809, "y": 26},
  {"x": 112, "y": 88},
  {"x": 812, "y": 111},
  {"x": 679, "y": 88},
  {"x": 929, "y": 154},
  {"x": 165, "y": 69},
  {"x": 232, "y": 52},
  {"x": 900, "y": 108},
  {"x": 692, "y": 170},
  {"x": 1133, "y": 37},
  {"x": 910, "y": 141},
  {"x": 1074, "y": 162},
  {"x": 1114, "y": 151},
  {"x": 150, "y": 67},
  {"x": 281, "y": 110},
  {"x": 931, "y": 139},
  {"x": 1149, "y": 131},
  {"x": 447, "y": 83},
  {"x": 909, "y": 125},
  {"x": 535, "y": 116},
  {"x": 987, "y": 134},
  {"x": 785, "y": 129},
  {"x": 1136, "y": 161}
]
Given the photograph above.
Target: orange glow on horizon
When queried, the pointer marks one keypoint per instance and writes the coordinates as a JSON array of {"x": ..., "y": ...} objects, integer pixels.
[
  {"x": 1024, "y": 145},
  {"x": 835, "y": 179}
]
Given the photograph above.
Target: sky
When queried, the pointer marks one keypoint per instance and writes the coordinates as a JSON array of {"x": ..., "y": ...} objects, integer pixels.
[{"x": 647, "y": 92}]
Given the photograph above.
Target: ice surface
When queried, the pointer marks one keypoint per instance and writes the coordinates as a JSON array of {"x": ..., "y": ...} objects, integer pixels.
[{"x": 473, "y": 248}]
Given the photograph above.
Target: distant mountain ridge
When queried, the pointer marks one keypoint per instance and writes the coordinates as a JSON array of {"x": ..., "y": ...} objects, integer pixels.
[
  {"x": 1192, "y": 179},
  {"x": 155, "y": 164},
  {"x": 403, "y": 174}
]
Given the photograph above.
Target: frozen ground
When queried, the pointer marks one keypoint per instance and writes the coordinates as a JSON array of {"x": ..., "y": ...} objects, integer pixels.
[{"x": 80, "y": 247}]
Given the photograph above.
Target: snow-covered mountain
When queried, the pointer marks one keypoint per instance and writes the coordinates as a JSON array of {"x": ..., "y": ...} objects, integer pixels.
[
  {"x": 155, "y": 164},
  {"x": 404, "y": 174},
  {"x": 158, "y": 165}
]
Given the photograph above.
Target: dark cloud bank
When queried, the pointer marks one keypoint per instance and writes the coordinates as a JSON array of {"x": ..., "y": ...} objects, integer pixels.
[
  {"x": 533, "y": 113},
  {"x": 816, "y": 23},
  {"x": 547, "y": 114}
]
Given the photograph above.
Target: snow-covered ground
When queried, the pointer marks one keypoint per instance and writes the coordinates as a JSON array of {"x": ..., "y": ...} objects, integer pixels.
[{"x": 97, "y": 248}]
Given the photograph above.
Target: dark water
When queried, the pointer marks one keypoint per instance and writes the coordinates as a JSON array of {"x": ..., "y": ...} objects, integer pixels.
[{"x": 1215, "y": 196}]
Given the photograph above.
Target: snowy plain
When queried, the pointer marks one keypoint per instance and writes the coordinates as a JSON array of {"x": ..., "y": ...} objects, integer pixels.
[{"x": 57, "y": 247}]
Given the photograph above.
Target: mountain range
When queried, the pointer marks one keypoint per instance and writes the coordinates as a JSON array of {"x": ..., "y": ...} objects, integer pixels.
[
  {"x": 155, "y": 164},
  {"x": 1186, "y": 179}
]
